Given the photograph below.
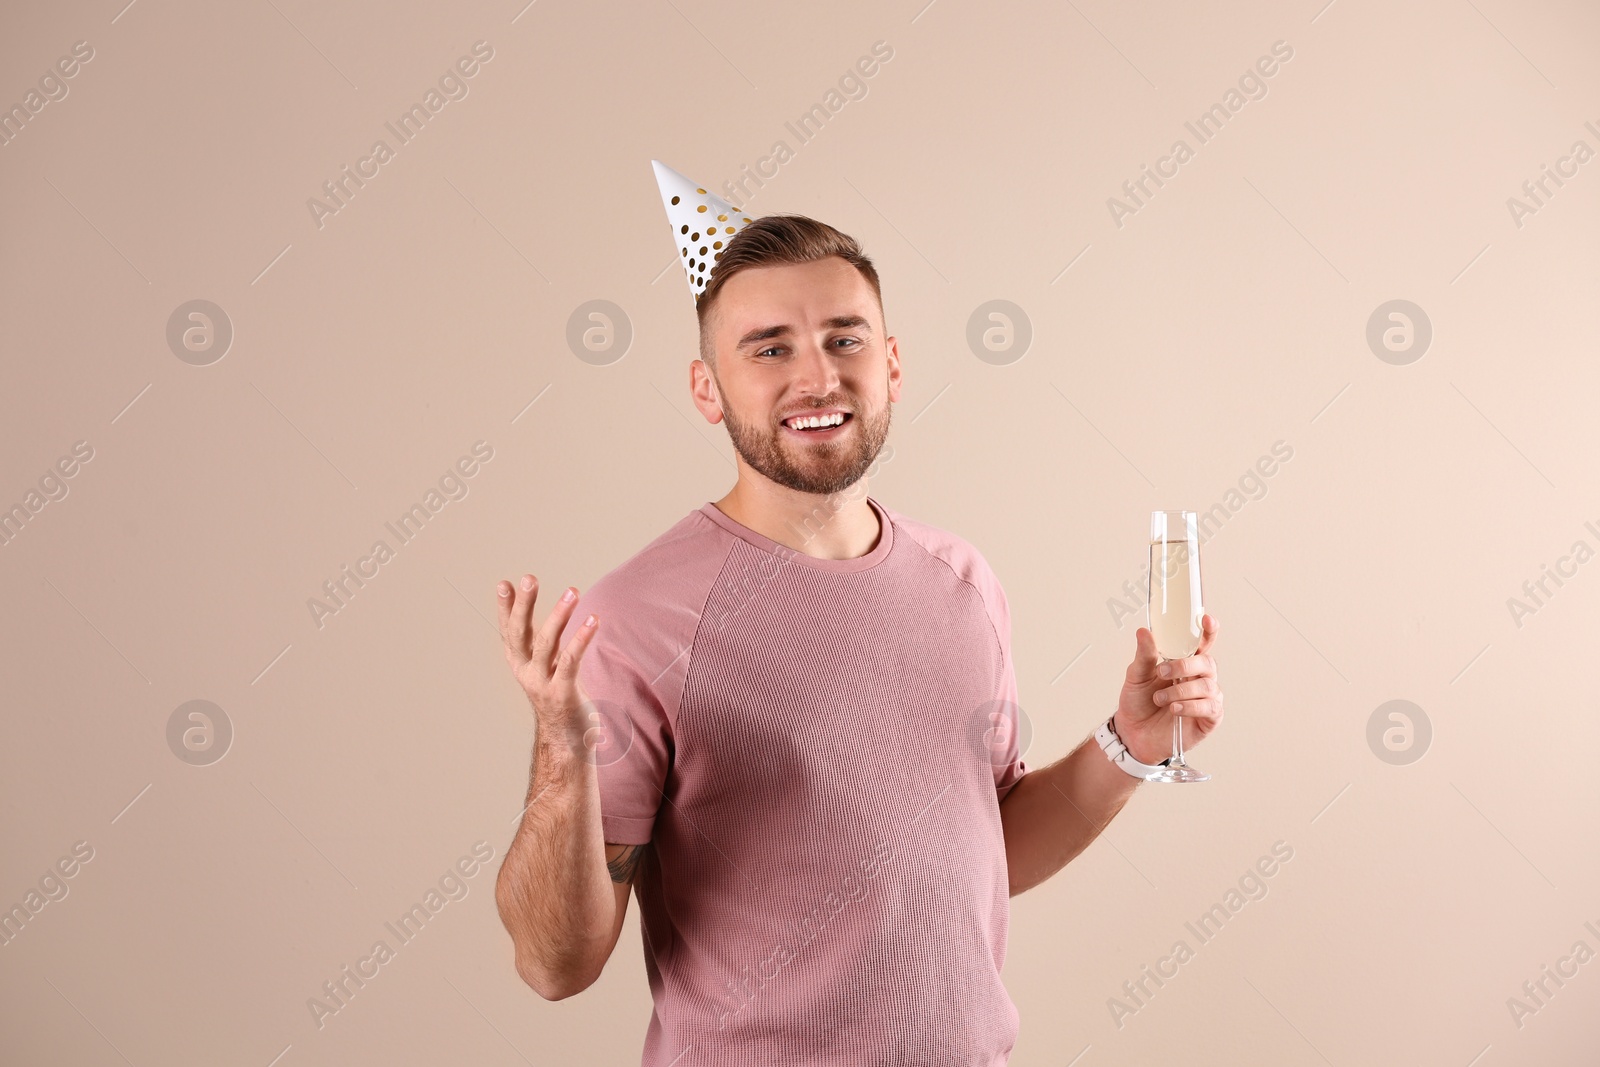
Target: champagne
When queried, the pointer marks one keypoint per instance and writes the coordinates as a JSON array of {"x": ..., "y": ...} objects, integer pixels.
[
  {"x": 1174, "y": 613},
  {"x": 1175, "y": 607}
]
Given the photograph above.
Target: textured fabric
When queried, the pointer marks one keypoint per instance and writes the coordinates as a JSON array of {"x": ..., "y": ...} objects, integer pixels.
[{"x": 816, "y": 751}]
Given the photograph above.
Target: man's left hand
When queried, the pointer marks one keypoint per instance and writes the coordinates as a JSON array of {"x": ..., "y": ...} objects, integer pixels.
[{"x": 1149, "y": 700}]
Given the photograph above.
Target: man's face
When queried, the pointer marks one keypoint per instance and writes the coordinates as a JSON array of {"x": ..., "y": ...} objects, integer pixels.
[{"x": 797, "y": 340}]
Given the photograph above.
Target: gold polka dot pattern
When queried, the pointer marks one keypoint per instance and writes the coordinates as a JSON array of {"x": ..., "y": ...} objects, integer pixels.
[{"x": 688, "y": 206}]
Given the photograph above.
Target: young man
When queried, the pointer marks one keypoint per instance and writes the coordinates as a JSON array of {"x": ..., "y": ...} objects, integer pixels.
[{"x": 789, "y": 723}]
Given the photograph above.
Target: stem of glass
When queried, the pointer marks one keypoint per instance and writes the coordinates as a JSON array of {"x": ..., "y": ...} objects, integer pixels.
[{"x": 1177, "y": 737}]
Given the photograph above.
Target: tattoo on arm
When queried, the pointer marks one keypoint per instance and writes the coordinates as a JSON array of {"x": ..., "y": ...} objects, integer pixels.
[{"x": 626, "y": 863}]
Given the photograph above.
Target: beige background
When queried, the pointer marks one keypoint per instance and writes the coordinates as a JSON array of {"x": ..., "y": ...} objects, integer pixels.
[{"x": 369, "y": 354}]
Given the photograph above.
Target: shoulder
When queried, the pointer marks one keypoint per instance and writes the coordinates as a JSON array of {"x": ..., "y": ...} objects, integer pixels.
[
  {"x": 653, "y": 600},
  {"x": 961, "y": 557},
  {"x": 669, "y": 564},
  {"x": 950, "y": 548}
]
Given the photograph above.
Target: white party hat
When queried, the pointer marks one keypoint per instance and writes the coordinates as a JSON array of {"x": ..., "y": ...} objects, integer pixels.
[{"x": 702, "y": 223}]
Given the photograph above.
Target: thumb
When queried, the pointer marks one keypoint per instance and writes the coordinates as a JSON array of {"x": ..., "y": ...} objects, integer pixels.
[{"x": 1145, "y": 657}]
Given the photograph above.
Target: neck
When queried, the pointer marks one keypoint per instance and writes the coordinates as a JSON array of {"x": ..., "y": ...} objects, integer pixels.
[{"x": 838, "y": 525}]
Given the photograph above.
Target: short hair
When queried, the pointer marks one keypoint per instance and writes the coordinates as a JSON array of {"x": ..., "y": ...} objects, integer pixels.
[{"x": 774, "y": 240}]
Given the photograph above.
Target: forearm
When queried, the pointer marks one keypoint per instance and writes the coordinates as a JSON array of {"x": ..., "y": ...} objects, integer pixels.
[
  {"x": 1053, "y": 813},
  {"x": 554, "y": 893}
]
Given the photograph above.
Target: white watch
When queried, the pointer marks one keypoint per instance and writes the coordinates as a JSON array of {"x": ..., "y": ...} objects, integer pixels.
[{"x": 1118, "y": 753}]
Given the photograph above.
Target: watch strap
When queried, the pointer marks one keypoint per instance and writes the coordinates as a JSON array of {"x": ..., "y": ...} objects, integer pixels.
[{"x": 1117, "y": 752}]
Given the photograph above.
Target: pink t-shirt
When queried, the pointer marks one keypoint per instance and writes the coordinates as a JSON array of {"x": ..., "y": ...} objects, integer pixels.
[{"x": 816, "y": 750}]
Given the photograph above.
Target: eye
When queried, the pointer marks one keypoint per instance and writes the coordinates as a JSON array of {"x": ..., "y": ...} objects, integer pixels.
[
  {"x": 852, "y": 340},
  {"x": 764, "y": 351}
]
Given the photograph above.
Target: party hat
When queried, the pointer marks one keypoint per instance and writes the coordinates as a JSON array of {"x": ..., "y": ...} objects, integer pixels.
[{"x": 701, "y": 222}]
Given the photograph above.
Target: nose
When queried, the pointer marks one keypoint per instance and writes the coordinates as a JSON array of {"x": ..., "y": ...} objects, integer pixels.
[{"x": 816, "y": 371}]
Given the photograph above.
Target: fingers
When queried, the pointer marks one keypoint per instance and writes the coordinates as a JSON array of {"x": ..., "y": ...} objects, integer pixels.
[
  {"x": 571, "y": 657},
  {"x": 547, "y": 642},
  {"x": 1188, "y": 689},
  {"x": 1145, "y": 657},
  {"x": 1197, "y": 697},
  {"x": 1208, "y": 627},
  {"x": 1197, "y": 666},
  {"x": 1208, "y": 709},
  {"x": 516, "y": 611}
]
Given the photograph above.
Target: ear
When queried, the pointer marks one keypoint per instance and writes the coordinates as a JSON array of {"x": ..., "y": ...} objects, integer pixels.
[
  {"x": 892, "y": 352},
  {"x": 703, "y": 389}
]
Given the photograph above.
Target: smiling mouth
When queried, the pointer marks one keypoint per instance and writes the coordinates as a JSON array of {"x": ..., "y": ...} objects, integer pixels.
[{"x": 817, "y": 424}]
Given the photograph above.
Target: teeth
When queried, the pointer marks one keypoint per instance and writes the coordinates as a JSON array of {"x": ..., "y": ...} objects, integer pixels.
[{"x": 817, "y": 421}]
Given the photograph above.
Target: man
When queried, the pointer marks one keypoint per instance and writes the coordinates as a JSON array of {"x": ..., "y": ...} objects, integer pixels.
[{"x": 789, "y": 722}]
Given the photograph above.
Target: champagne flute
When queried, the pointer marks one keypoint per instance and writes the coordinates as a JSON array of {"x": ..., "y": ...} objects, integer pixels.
[{"x": 1173, "y": 613}]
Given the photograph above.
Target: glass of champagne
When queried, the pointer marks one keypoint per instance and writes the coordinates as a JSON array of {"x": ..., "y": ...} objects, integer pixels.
[{"x": 1173, "y": 613}]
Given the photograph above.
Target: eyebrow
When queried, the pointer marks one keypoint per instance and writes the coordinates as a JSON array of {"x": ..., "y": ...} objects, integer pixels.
[{"x": 766, "y": 333}]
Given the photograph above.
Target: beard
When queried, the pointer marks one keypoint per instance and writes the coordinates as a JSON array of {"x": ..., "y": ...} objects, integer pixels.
[{"x": 822, "y": 467}]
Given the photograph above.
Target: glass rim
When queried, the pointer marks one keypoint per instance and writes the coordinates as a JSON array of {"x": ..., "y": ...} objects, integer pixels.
[{"x": 1165, "y": 528}]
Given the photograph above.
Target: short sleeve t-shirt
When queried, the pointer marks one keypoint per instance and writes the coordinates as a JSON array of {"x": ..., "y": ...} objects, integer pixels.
[{"x": 815, "y": 751}]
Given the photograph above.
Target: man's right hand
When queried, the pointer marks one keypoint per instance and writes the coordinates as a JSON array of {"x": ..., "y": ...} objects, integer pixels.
[
  {"x": 563, "y": 910},
  {"x": 547, "y": 673}
]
